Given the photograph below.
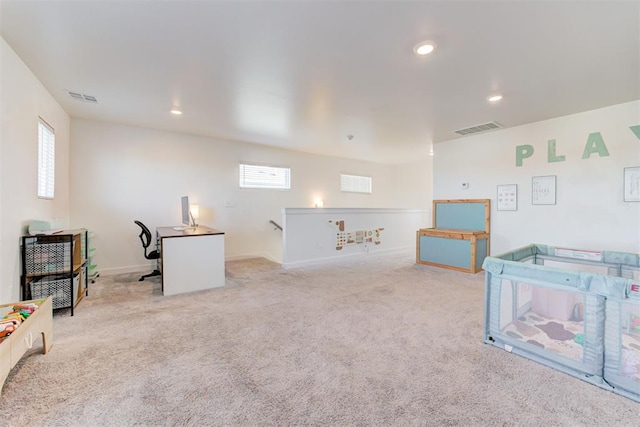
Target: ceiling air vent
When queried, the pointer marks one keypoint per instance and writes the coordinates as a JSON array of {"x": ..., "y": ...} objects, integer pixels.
[
  {"x": 479, "y": 128},
  {"x": 82, "y": 97}
]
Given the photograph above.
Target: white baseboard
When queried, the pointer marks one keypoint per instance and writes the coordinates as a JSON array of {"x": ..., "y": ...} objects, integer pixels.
[
  {"x": 124, "y": 270},
  {"x": 272, "y": 258},
  {"x": 248, "y": 256},
  {"x": 288, "y": 265},
  {"x": 150, "y": 267},
  {"x": 347, "y": 257}
]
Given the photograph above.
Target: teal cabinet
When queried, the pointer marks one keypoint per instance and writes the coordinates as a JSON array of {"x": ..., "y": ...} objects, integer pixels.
[{"x": 460, "y": 238}]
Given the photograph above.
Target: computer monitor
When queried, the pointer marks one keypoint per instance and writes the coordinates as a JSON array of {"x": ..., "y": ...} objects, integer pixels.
[{"x": 188, "y": 218}]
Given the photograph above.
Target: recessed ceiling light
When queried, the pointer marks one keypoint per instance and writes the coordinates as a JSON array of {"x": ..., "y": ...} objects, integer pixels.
[
  {"x": 494, "y": 98},
  {"x": 425, "y": 47},
  {"x": 176, "y": 111}
]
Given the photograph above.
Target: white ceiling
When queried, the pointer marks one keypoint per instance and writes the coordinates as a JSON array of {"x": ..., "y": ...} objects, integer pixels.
[{"x": 305, "y": 74}]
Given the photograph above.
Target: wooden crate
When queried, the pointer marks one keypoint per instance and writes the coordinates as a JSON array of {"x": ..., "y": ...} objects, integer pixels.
[{"x": 459, "y": 239}]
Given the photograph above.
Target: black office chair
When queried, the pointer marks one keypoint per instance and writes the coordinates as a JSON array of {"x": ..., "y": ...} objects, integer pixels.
[{"x": 145, "y": 238}]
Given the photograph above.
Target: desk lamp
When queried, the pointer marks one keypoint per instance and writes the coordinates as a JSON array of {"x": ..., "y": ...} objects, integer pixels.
[{"x": 194, "y": 212}]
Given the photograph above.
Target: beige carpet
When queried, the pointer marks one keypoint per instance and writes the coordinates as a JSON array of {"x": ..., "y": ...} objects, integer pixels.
[{"x": 370, "y": 343}]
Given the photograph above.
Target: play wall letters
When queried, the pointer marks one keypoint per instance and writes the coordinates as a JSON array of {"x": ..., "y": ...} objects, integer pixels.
[{"x": 595, "y": 145}]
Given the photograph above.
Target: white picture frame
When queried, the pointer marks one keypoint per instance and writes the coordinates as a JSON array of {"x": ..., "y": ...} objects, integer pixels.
[
  {"x": 543, "y": 190},
  {"x": 507, "y": 197},
  {"x": 632, "y": 184}
]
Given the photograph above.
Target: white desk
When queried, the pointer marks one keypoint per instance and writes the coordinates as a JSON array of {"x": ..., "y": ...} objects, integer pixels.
[{"x": 190, "y": 260}]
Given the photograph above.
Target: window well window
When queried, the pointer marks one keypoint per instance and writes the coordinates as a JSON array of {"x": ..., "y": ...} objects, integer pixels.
[
  {"x": 256, "y": 176},
  {"x": 46, "y": 160},
  {"x": 355, "y": 184}
]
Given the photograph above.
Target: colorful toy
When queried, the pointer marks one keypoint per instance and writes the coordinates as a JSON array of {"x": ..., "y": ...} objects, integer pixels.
[
  {"x": 14, "y": 317},
  {"x": 7, "y": 328}
]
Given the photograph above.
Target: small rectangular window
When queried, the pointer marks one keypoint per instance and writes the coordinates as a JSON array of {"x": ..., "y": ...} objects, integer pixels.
[
  {"x": 46, "y": 160},
  {"x": 254, "y": 176},
  {"x": 355, "y": 184}
]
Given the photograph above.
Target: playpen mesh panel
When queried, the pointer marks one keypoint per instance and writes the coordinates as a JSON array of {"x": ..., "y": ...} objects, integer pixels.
[
  {"x": 554, "y": 324},
  {"x": 594, "y": 316},
  {"x": 547, "y": 319},
  {"x": 622, "y": 345},
  {"x": 613, "y": 339},
  {"x": 494, "y": 285}
]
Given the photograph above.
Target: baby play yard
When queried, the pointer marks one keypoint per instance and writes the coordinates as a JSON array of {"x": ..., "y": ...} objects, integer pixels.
[{"x": 576, "y": 311}]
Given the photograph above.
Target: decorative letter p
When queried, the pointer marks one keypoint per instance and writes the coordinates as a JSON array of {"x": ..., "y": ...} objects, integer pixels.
[{"x": 522, "y": 152}]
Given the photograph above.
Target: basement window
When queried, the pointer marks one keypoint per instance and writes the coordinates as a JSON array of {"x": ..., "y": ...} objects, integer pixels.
[
  {"x": 46, "y": 160},
  {"x": 355, "y": 184},
  {"x": 268, "y": 177}
]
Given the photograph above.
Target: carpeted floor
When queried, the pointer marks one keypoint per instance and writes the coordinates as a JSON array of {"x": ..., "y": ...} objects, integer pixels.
[{"x": 377, "y": 342}]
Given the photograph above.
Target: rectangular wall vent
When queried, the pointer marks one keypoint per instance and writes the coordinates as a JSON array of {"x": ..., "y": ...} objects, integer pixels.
[
  {"x": 82, "y": 97},
  {"x": 478, "y": 128}
]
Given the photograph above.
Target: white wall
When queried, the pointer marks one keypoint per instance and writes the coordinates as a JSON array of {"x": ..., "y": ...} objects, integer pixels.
[
  {"x": 311, "y": 234},
  {"x": 589, "y": 212},
  {"x": 121, "y": 173},
  {"x": 22, "y": 100}
]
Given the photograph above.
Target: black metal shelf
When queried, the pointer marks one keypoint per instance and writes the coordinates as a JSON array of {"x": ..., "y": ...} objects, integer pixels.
[{"x": 55, "y": 265}]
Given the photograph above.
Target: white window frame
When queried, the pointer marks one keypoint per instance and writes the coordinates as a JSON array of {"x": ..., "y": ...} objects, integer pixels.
[
  {"x": 356, "y": 184},
  {"x": 273, "y": 177},
  {"x": 46, "y": 160}
]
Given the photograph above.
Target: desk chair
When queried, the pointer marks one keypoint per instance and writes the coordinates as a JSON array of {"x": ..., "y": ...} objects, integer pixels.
[{"x": 145, "y": 238}]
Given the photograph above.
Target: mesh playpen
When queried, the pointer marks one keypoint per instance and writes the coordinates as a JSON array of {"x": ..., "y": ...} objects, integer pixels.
[{"x": 573, "y": 310}]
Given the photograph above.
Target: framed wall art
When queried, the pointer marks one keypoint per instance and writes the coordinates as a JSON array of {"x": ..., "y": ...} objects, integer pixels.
[
  {"x": 543, "y": 190},
  {"x": 632, "y": 184},
  {"x": 507, "y": 197}
]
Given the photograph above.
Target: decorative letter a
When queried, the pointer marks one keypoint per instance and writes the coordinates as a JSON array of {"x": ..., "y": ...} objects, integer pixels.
[{"x": 595, "y": 144}]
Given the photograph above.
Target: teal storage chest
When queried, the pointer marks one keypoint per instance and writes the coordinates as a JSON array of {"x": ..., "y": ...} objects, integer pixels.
[{"x": 460, "y": 237}]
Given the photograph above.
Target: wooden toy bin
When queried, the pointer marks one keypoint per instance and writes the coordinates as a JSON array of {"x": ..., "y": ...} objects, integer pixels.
[
  {"x": 17, "y": 344},
  {"x": 459, "y": 239}
]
